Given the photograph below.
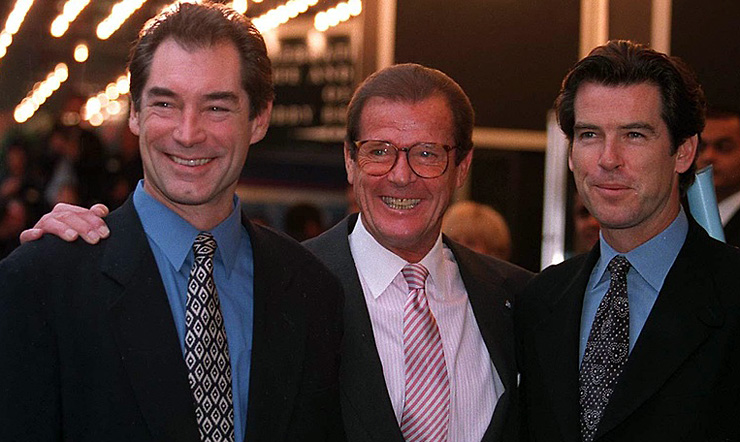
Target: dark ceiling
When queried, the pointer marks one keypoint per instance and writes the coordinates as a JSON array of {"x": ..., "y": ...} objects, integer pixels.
[{"x": 34, "y": 52}]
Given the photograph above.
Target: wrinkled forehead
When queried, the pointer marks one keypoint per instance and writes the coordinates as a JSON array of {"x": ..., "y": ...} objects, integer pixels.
[{"x": 429, "y": 119}]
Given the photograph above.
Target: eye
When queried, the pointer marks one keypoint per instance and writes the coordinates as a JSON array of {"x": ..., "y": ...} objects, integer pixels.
[
  {"x": 218, "y": 109},
  {"x": 375, "y": 149},
  {"x": 427, "y": 154},
  {"x": 162, "y": 104},
  {"x": 635, "y": 135},
  {"x": 587, "y": 134},
  {"x": 725, "y": 146},
  {"x": 378, "y": 151}
]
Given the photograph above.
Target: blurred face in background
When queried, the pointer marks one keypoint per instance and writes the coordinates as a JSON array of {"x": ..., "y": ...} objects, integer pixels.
[{"x": 720, "y": 147}]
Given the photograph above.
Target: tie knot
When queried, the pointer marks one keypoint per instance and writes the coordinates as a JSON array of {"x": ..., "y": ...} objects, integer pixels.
[
  {"x": 204, "y": 245},
  {"x": 618, "y": 266},
  {"x": 415, "y": 275}
]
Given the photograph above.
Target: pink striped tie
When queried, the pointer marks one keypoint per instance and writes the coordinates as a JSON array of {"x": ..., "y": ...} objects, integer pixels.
[{"x": 426, "y": 408}]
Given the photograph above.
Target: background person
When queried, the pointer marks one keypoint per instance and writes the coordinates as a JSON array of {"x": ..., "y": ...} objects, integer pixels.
[
  {"x": 720, "y": 146},
  {"x": 478, "y": 227}
]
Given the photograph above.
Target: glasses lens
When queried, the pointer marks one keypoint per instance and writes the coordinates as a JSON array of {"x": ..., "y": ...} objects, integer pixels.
[
  {"x": 428, "y": 160},
  {"x": 376, "y": 157}
]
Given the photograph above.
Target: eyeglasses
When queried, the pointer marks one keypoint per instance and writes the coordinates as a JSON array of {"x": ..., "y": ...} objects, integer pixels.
[{"x": 427, "y": 160}]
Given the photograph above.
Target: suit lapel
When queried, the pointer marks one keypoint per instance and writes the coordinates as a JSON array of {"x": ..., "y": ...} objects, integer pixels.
[
  {"x": 278, "y": 342},
  {"x": 681, "y": 319},
  {"x": 558, "y": 338},
  {"x": 361, "y": 374},
  {"x": 145, "y": 333}
]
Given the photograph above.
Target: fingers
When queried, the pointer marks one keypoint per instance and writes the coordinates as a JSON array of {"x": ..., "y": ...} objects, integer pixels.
[
  {"x": 31, "y": 235},
  {"x": 70, "y": 222},
  {"x": 100, "y": 210}
]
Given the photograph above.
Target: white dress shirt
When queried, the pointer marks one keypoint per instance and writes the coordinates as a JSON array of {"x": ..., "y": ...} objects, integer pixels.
[
  {"x": 475, "y": 385},
  {"x": 728, "y": 207}
]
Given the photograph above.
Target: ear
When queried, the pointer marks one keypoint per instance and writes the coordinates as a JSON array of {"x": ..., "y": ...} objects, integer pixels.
[
  {"x": 350, "y": 165},
  {"x": 133, "y": 120},
  {"x": 260, "y": 123},
  {"x": 685, "y": 154},
  {"x": 570, "y": 157},
  {"x": 463, "y": 168}
]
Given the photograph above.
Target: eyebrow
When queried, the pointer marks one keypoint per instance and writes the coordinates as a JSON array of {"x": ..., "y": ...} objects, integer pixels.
[
  {"x": 639, "y": 125},
  {"x": 158, "y": 91}
]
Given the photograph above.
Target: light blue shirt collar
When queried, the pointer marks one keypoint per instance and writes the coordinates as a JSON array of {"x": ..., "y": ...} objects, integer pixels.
[
  {"x": 175, "y": 236},
  {"x": 653, "y": 259}
]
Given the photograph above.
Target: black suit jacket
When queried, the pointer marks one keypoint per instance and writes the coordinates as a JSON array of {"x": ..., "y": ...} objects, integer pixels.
[
  {"x": 90, "y": 351},
  {"x": 682, "y": 379},
  {"x": 366, "y": 407}
]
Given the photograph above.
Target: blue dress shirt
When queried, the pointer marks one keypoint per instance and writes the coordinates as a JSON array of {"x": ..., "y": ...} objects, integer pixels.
[
  {"x": 650, "y": 263},
  {"x": 171, "y": 240}
]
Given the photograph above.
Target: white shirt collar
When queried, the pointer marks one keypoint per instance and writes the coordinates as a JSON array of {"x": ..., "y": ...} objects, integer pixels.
[
  {"x": 378, "y": 266},
  {"x": 728, "y": 207}
]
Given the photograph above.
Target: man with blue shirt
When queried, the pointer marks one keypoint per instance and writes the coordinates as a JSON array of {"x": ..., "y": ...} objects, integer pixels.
[
  {"x": 189, "y": 323},
  {"x": 640, "y": 338}
]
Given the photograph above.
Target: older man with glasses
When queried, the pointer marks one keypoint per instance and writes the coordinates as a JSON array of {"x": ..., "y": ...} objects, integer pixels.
[{"x": 408, "y": 147}]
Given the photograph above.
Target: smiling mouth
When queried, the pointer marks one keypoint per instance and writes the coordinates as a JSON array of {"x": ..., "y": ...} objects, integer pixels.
[
  {"x": 401, "y": 203},
  {"x": 191, "y": 162}
]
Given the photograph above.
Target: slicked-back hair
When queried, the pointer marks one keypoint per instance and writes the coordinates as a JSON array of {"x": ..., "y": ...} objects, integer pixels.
[
  {"x": 201, "y": 25},
  {"x": 413, "y": 83},
  {"x": 624, "y": 63}
]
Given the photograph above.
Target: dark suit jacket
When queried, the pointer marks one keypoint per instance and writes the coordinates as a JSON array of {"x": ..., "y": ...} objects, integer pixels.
[
  {"x": 732, "y": 230},
  {"x": 682, "y": 379},
  {"x": 366, "y": 407},
  {"x": 90, "y": 352}
]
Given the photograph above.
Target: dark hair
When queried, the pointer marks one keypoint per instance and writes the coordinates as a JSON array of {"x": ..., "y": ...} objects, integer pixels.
[
  {"x": 413, "y": 83},
  {"x": 195, "y": 25},
  {"x": 621, "y": 62}
]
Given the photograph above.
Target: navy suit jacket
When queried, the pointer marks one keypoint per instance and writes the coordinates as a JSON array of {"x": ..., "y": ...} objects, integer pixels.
[
  {"x": 90, "y": 351},
  {"x": 682, "y": 379},
  {"x": 366, "y": 407}
]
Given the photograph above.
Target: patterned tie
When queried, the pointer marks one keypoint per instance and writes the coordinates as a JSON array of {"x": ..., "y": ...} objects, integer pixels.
[
  {"x": 426, "y": 408},
  {"x": 607, "y": 349},
  {"x": 206, "y": 350}
]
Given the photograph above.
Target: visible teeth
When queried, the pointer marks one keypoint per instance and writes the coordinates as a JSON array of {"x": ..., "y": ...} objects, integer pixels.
[
  {"x": 191, "y": 163},
  {"x": 401, "y": 203}
]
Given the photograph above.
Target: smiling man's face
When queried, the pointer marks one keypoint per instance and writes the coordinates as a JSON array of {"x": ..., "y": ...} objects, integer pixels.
[
  {"x": 194, "y": 129},
  {"x": 401, "y": 210},
  {"x": 622, "y": 163}
]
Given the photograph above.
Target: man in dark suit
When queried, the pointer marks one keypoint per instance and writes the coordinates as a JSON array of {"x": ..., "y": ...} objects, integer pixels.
[
  {"x": 408, "y": 147},
  {"x": 720, "y": 146},
  {"x": 638, "y": 340},
  {"x": 143, "y": 337}
]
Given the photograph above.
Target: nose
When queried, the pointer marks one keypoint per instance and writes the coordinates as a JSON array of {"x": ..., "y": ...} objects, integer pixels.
[
  {"x": 189, "y": 130},
  {"x": 401, "y": 173},
  {"x": 610, "y": 157}
]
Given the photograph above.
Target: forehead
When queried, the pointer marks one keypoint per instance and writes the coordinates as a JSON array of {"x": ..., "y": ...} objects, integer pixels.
[
  {"x": 619, "y": 104},
  {"x": 722, "y": 127},
  {"x": 403, "y": 122},
  {"x": 211, "y": 67}
]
